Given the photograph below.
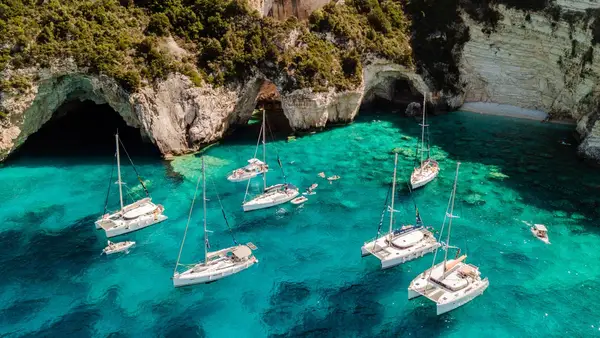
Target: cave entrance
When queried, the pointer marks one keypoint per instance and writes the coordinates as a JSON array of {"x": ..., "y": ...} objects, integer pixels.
[
  {"x": 270, "y": 100},
  {"x": 395, "y": 95},
  {"x": 84, "y": 128}
]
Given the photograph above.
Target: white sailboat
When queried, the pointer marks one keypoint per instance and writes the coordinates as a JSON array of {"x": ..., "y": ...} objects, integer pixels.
[
  {"x": 273, "y": 195},
  {"x": 217, "y": 264},
  {"x": 451, "y": 283},
  {"x": 401, "y": 245},
  {"x": 135, "y": 216},
  {"x": 428, "y": 168},
  {"x": 255, "y": 166}
]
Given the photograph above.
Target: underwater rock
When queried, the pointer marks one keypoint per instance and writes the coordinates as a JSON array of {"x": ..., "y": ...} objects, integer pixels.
[
  {"x": 497, "y": 175},
  {"x": 560, "y": 214},
  {"x": 474, "y": 199}
]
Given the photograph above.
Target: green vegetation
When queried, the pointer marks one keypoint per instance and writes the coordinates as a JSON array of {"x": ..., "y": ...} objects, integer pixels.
[{"x": 225, "y": 41}]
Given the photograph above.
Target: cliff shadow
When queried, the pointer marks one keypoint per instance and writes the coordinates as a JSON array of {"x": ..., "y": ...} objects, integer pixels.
[
  {"x": 392, "y": 95},
  {"x": 537, "y": 160},
  {"x": 83, "y": 131}
]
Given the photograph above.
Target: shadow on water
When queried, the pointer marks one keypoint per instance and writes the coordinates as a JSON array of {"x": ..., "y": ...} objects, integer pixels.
[
  {"x": 83, "y": 131},
  {"x": 48, "y": 256},
  {"x": 79, "y": 322},
  {"x": 353, "y": 310},
  {"x": 546, "y": 174}
]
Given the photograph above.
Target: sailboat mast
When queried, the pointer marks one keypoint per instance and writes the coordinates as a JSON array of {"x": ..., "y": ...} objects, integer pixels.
[
  {"x": 264, "y": 142},
  {"x": 204, "y": 206},
  {"x": 119, "y": 171},
  {"x": 451, "y": 216},
  {"x": 393, "y": 197},
  {"x": 423, "y": 128}
]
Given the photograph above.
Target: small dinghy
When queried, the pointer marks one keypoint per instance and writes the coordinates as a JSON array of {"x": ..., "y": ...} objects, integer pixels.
[
  {"x": 299, "y": 200},
  {"x": 118, "y": 247},
  {"x": 333, "y": 178},
  {"x": 322, "y": 174},
  {"x": 540, "y": 231}
]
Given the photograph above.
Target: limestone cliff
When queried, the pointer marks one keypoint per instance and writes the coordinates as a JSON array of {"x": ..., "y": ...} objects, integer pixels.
[
  {"x": 536, "y": 61},
  {"x": 180, "y": 117}
]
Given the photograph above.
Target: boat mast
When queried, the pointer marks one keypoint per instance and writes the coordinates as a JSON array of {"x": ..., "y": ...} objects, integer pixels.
[
  {"x": 204, "y": 206},
  {"x": 423, "y": 129},
  {"x": 264, "y": 141},
  {"x": 393, "y": 197},
  {"x": 119, "y": 171},
  {"x": 451, "y": 216}
]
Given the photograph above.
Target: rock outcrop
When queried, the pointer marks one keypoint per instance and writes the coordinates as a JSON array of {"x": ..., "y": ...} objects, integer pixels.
[
  {"x": 283, "y": 9},
  {"x": 179, "y": 117},
  {"x": 173, "y": 114}
]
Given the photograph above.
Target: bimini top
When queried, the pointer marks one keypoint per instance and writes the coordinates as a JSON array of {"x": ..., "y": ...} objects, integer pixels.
[
  {"x": 291, "y": 186},
  {"x": 242, "y": 252},
  {"x": 540, "y": 227}
]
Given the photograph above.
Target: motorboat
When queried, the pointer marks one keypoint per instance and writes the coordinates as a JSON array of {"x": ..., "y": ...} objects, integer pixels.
[
  {"x": 113, "y": 248},
  {"x": 541, "y": 232}
]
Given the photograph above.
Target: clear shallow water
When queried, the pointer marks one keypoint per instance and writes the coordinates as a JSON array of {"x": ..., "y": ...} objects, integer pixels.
[{"x": 311, "y": 280}]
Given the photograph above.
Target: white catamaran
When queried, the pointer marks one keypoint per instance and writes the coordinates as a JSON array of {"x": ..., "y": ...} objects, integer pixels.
[
  {"x": 451, "y": 283},
  {"x": 401, "y": 245},
  {"x": 428, "y": 168},
  {"x": 273, "y": 195},
  {"x": 216, "y": 264},
  {"x": 255, "y": 166},
  {"x": 135, "y": 216}
]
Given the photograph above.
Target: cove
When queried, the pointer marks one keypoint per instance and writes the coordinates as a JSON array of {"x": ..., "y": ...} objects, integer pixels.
[{"x": 311, "y": 280}]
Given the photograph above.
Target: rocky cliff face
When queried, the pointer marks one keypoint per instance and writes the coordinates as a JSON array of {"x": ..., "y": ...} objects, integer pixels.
[
  {"x": 283, "y": 9},
  {"x": 176, "y": 115},
  {"x": 535, "y": 61}
]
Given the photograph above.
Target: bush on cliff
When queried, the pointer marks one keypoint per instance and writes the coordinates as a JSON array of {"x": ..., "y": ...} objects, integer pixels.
[{"x": 225, "y": 40}]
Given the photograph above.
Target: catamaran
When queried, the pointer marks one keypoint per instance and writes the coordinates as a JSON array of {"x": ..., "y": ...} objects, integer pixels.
[
  {"x": 135, "y": 216},
  {"x": 428, "y": 168},
  {"x": 255, "y": 166},
  {"x": 216, "y": 264},
  {"x": 273, "y": 195},
  {"x": 401, "y": 245},
  {"x": 451, "y": 283}
]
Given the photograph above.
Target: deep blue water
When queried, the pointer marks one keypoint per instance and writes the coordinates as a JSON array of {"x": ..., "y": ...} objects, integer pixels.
[{"x": 311, "y": 280}]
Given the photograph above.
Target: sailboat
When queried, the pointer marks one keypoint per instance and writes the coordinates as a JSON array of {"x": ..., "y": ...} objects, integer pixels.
[
  {"x": 217, "y": 264},
  {"x": 135, "y": 216},
  {"x": 402, "y": 245},
  {"x": 275, "y": 194},
  {"x": 255, "y": 166},
  {"x": 428, "y": 168},
  {"x": 451, "y": 283}
]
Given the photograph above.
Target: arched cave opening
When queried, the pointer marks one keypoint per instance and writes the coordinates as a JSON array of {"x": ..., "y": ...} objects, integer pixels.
[
  {"x": 86, "y": 129},
  {"x": 270, "y": 100},
  {"x": 393, "y": 95}
]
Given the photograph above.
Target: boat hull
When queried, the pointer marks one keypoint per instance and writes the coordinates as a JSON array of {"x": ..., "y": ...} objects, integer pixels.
[
  {"x": 128, "y": 226},
  {"x": 186, "y": 279},
  {"x": 391, "y": 255},
  {"x": 232, "y": 178},
  {"x": 255, "y": 204},
  {"x": 543, "y": 239},
  {"x": 417, "y": 181},
  {"x": 123, "y": 248},
  {"x": 447, "y": 307}
]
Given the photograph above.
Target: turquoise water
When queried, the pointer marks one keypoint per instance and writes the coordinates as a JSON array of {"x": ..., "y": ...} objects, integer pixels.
[{"x": 311, "y": 280}]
